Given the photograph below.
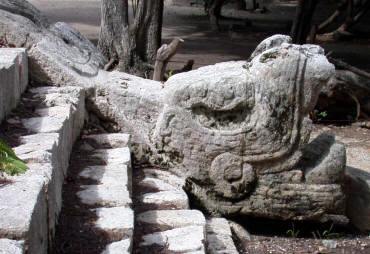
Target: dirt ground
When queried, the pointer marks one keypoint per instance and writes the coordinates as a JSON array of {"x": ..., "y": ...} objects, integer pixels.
[
  {"x": 202, "y": 45},
  {"x": 237, "y": 42}
]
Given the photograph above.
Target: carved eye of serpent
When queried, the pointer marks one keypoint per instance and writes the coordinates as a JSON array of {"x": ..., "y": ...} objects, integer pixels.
[{"x": 221, "y": 119}]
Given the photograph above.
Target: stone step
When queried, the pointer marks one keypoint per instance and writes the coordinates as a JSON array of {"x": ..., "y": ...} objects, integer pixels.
[
  {"x": 108, "y": 175},
  {"x": 165, "y": 176},
  {"x": 170, "y": 219},
  {"x": 118, "y": 222},
  {"x": 166, "y": 224},
  {"x": 103, "y": 196},
  {"x": 219, "y": 237},
  {"x": 178, "y": 240},
  {"x": 112, "y": 140},
  {"x": 30, "y": 203},
  {"x": 163, "y": 200},
  {"x": 156, "y": 184},
  {"x": 119, "y": 247}
]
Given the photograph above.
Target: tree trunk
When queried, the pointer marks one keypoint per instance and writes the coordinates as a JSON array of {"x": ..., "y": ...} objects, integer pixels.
[
  {"x": 213, "y": 9},
  {"x": 148, "y": 23},
  {"x": 132, "y": 45},
  {"x": 302, "y": 24},
  {"x": 114, "y": 20}
]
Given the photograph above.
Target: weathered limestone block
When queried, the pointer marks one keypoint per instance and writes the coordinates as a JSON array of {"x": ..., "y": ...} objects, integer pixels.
[
  {"x": 17, "y": 30},
  {"x": 239, "y": 129},
  {"x": 238, "y": 132},
  {"x": 110, "y": 192},
  {"x": 118, "y": 222},
  {"x": 13, "y": 78},
  {"x": 112, "y": 140},
  {"x": 134, "y": 104},
  {"x": 358, "y": 201},
  {"x": 11, "y": 247},
  {"x": 324, "y": 160},
  {"x": 23, "y": 209},
  {"x": 25, "y": 9},
  {"x": 58, "y": 54},
  {"x": 30, "y": 203},
  {"x": 170, "y": 219},
  {"x": 271, "y": 42},
  {"x": 104, "y": 195},
  {"x": 171, "y": 199},
  {"x": 108, "y": 174},
  {"x": 219, "y": 237},
  {"x": 178, "y": 240},
  {"x": 120, "y": 247}
]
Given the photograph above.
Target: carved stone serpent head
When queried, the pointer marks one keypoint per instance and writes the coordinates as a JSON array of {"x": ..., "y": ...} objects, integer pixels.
[{"x": 226, "y": 125}]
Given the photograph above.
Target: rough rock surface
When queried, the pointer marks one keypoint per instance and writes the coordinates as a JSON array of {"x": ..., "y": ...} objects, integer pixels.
[
  {"x": 358, "y": 202},
  {"x": 165, "y": 223},
  {"x": 58, "y": 54},
  {"x": 237, "y": 131},
  {"x": 10, "y": 246},
  {"x": 172, "y": 218},
  {"x": 30, "y": 203},
  {"x": 13, "y": 78},
  {"x": 219, "y": 237},
  {"x": 178, "y": 240}
]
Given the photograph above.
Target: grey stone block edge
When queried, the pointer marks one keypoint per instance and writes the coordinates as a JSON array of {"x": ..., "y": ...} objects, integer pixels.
[
  {"x": 13, "y": 78},
  {"x": 42, "y": 184}
]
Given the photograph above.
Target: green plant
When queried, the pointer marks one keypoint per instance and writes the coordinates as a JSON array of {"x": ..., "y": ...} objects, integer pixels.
[
  {"x": 9, "y": 161},
  {"x": 326, "y": 234},
  {"x": 292, "y": 232},
  {"x": 322, "y": 114},
  {"x": 170, "y": 73}
]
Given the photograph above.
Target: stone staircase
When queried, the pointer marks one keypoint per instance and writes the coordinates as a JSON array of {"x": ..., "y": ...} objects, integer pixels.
[
  {"x": 96, "y": 216},
  {"x": 42, "y": 131},
  {"x": 165, "y": 223},
  {"x": 80, "y": 191}
]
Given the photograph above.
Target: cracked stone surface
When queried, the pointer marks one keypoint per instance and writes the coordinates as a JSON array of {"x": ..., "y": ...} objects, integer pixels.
[
  {"x": 183, "y": 239},
  {"x": 237, "y": 132}
]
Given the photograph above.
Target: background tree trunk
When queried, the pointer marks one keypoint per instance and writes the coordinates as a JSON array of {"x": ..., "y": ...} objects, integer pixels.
[
  {"x": 303, "y": 20},
  {"x": 213, "y": 9},
  {"x": 131, "y": 43},
  {"x": 149, "y": 24}
]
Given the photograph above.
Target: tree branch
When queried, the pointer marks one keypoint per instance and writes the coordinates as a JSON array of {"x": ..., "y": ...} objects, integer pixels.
[{"x": 164, "y": 54}]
